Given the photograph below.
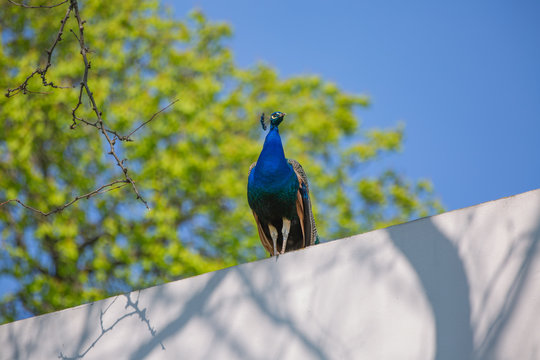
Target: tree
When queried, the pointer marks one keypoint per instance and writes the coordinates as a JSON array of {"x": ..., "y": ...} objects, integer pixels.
[{"x": 190, "y": 163}]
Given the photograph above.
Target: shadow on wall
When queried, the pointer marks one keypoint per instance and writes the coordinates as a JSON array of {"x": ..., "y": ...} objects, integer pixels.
[
  {"x": 442, "y": 274},
  {"x": 193, "y": 308},
  {"x": 89, "y": 325},
  {"x": 443, "y": 278},
  {"x": 433, "y": 256},
  {"x": 529, "y": 242},
  {"x": 201, "y": 307}
]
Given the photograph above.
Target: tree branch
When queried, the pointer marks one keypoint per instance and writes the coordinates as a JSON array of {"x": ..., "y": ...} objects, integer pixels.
[
  {"x": 42, "y": 72},
  {"x": 100, "y": 190},
  {"x": 112, "y": 132},
  {"x": 38, "y": 6},
  {"x": 100, "y": 124},
  {"x": 110, "y": 135},
  {"x": 147, "y": 121}
]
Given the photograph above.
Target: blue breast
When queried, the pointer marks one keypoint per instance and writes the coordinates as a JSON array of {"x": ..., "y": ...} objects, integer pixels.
[{"x": 273, "y": 184}]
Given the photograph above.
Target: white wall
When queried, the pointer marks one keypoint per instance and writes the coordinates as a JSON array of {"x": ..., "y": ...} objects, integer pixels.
[{"x": 461, "y": 285}]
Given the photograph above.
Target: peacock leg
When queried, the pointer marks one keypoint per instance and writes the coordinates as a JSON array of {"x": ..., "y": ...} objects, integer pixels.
[
  {"x": 285, "y": 231},
  {"x": 274, "y": 234}
]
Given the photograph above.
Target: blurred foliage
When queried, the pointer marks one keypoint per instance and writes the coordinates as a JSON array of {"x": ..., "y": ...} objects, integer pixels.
[{"x": 190, "y": 163}]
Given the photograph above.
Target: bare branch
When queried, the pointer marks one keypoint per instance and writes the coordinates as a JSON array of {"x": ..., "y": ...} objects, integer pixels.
[
  {"x": 112, "y": 132},
  {"x": 38, "y": 6},
  {"x": 110, "y": 135},
  {"x": 147, "y": 121},
  {"x": 100, "y": 124},
  {"x": 100, "y": 190},
  {"x": 42, "y": 72}
]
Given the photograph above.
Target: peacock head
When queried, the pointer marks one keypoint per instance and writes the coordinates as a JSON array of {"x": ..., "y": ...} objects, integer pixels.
[{"x": 275, "y": 119}]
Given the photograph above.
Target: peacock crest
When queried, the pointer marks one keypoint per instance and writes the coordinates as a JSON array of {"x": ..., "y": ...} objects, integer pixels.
[{"x": 274, "y": 120}]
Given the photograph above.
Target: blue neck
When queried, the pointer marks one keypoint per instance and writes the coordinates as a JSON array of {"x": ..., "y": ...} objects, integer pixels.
[{"x": 272, "y": 158}]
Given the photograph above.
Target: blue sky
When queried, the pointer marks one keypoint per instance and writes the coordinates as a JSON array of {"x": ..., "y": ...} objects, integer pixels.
[{"x": 464, "y": 76}]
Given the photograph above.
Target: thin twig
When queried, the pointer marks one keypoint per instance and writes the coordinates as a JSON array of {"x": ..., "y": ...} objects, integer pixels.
[
  {"x": 147, "y": 121},
  {"x": 42, "y": 72},
  {"x": 100, "y": 190},
  {"x": 112, "y": 132},
  {"x": 38, "y": 6}
]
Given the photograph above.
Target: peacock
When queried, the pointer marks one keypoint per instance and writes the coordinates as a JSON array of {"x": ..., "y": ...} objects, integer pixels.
[{"x": 278, "y": 194}]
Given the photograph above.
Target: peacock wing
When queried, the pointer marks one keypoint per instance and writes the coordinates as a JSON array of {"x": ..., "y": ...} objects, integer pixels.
[
  {"x": 251, "y": 167},
  {"x": 303, "y": 205},
  {"x": 266, "y": 242}
]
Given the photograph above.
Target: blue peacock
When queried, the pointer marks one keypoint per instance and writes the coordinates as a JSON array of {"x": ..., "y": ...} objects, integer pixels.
[{"x": 278, "y": 194}]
